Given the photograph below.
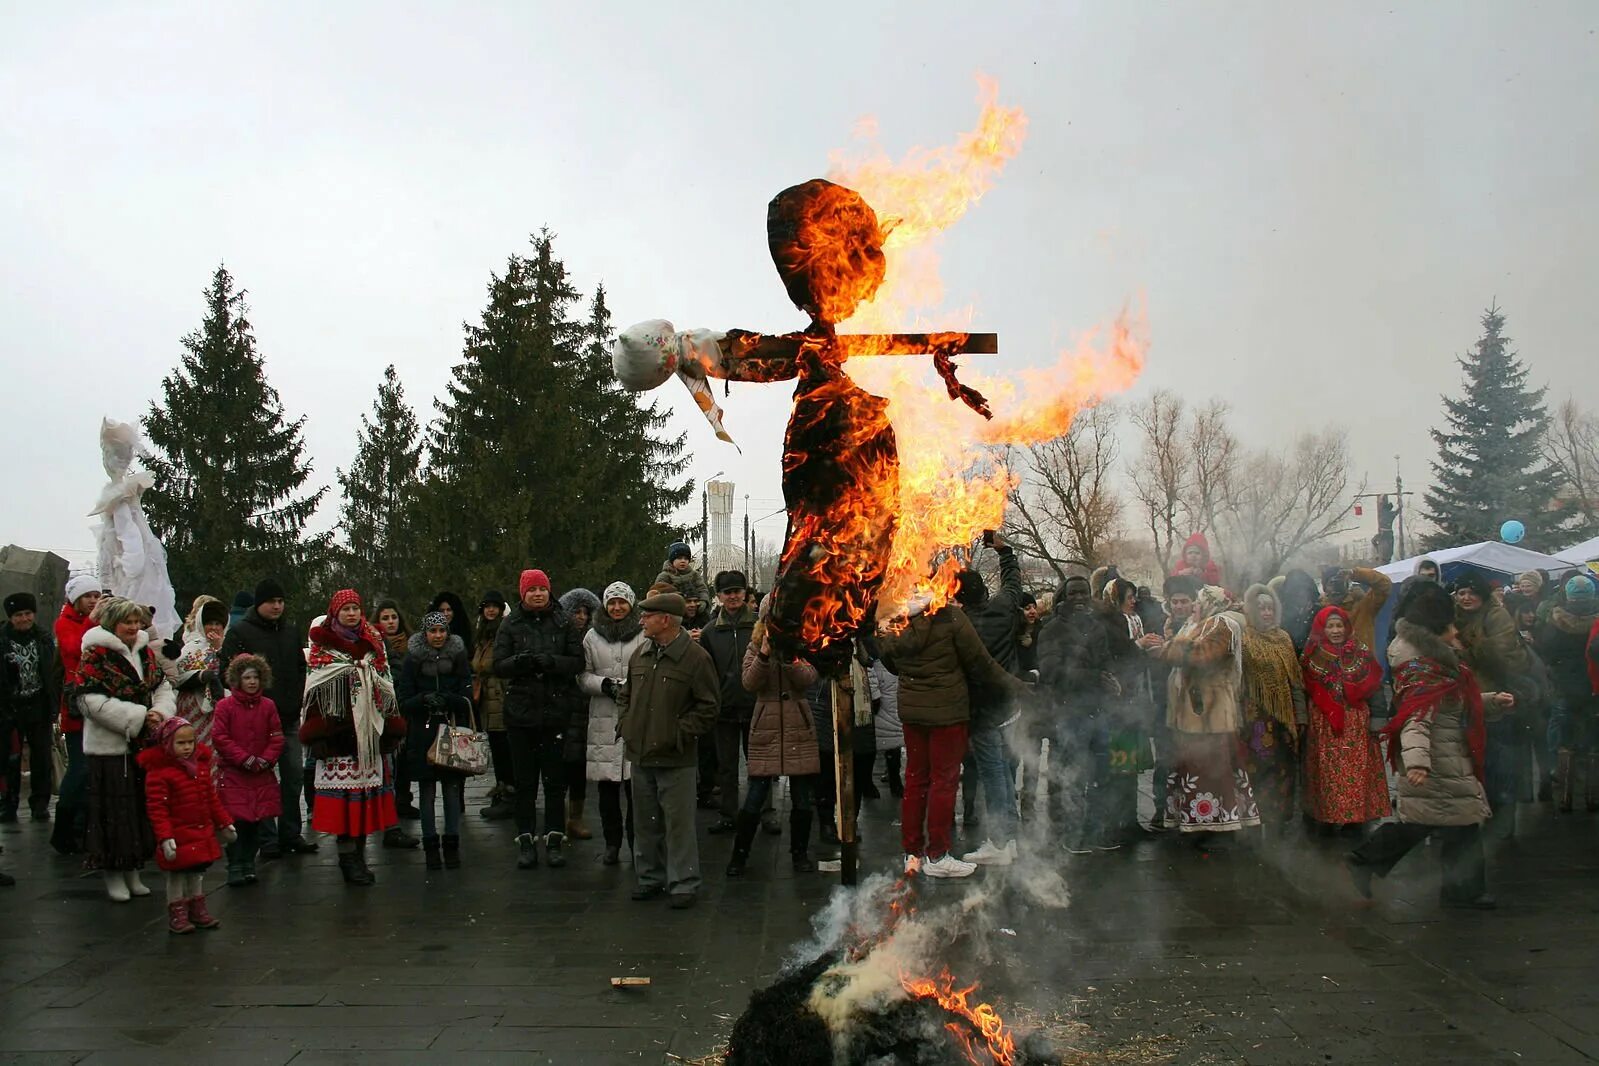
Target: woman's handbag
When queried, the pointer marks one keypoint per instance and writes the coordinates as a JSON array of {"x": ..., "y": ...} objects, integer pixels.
[
  {"x": 460, "y": 748},
  {"x": 58, "y": 759}
]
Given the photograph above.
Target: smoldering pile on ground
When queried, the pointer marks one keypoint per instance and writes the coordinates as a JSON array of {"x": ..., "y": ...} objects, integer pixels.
[{"x": 844, "y": 995}]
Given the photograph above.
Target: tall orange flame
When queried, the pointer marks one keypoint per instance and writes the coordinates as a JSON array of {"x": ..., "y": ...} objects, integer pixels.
[{"x": 952, "y": 482}]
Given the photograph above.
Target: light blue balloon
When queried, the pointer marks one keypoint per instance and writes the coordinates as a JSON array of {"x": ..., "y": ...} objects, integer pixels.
[{"x": 1512, "y": 532}]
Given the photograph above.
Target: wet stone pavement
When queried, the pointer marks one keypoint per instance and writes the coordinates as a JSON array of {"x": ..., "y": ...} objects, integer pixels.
[{"x": 1250, "y": 955}]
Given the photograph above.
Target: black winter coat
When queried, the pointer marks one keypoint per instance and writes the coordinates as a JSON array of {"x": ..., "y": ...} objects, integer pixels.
[
  {"x": 540, "y": 655},
  {"x": 42, "y": 706},
  {"x": 434, "y": 687},
  {"x": 1073, "y": 654},
  {"x": 1561, "y": 640},
  {"x": 998, "y": 617},
  {"x": 283, "y": 647},
  {"x": 725, "y": 639}
]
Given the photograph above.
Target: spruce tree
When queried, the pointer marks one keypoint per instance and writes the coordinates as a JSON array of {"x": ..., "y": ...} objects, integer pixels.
[
  {"x": 229, "y": 500},
  {"x": 377, "y": 515},
  {"x": 537, "y": 457},
  {"x": 1490, "y": 467}
]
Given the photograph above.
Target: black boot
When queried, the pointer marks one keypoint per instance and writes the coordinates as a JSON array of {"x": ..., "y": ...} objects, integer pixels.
[
  {"x": 745, "y": 836},
  {"x": 613, "y": 855},
  {"x": 430, "y": 851},
  {"x": 829, "y": 830},
  {"x": 350, "y": 868},
  {"x": 799, "y": 841},
  {"x": 367, "y": 876},
  {"x": 396, "y": 837},
  {"x": 553, "y": 857},
  {"x": 527, "y": 852},
  {"x": 452, "y": 851}
]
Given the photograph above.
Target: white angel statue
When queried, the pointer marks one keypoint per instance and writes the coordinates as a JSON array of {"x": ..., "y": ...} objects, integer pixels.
[{"x": 132, "y": 561}]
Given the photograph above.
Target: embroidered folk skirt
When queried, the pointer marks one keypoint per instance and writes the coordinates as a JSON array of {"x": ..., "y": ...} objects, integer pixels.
[
  {"x": 1207, "y": 788},
  {"x": 350, "y": 804},
  {"x": 119, "y": 833},
  {"x": 1344, "y": 780}
]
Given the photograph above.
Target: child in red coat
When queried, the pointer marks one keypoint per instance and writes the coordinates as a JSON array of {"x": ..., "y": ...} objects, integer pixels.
[
  {"x": 186, "y": 816},
  {"x": 249, "y": 741}
]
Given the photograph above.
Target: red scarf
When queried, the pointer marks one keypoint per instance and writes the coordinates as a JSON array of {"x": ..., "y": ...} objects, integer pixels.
[
  {"x": 1340, "y": 676},
  {"x": 1424, "y": 685}
]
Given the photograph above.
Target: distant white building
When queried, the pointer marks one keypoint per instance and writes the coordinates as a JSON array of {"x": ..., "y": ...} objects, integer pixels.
[{"x": 723, "y": 552}]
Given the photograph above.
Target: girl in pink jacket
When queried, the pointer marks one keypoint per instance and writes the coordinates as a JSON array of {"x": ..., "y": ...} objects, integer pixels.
[{"x": 248, "y": 739}]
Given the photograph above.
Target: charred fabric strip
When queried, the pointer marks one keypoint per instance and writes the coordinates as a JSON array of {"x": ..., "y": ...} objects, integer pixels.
[{"x": 957, "y": 391}]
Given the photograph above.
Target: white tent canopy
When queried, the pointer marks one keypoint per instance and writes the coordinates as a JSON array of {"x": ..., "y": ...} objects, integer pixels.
[
  {"x": 1490, "y": 555},
  {"x": 1578, "y": 554}
]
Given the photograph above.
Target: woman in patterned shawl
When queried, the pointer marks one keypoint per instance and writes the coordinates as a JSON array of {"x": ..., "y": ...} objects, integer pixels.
[
  {"x": 1344, "y": 781},
  {"x": 1274, "y": 706},
  {"x": 199, "y": 680},
  {"x": 1207, "y": 788},
  {"x": 352, "y": 726}
]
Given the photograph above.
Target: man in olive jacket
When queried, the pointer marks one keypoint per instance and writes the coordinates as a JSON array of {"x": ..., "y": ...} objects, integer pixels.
[{"x": 670, "y": 700}]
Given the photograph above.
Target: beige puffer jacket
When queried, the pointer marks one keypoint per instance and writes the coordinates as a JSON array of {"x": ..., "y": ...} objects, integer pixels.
[{"x": 1451, "y": 794}]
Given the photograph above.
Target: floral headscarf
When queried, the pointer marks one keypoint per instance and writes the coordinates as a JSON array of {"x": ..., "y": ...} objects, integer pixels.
[
  {"x": 1338, "y": 676},
  {"x": 1269, "y": 664},
  {"x": 166, "y": 735}
]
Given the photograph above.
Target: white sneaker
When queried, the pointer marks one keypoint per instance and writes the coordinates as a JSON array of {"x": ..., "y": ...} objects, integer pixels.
[
  {"x": 990, "y": 855},
  {"x": 135, "y": 886},
  {"x": 116, "y": 887},
  {"x": 948, "y": 866},
  {"x": 913, "y": 865}
]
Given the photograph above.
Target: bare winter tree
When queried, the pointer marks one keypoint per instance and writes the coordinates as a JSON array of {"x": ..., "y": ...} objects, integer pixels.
[
  {"x": 1571, "y": 448},
  {"x": 1283, "y": 504},
  {"x": 1161, "y": 473},
  {"x": 1065, "y": 509},
  {"x": 1215, "y": 458}
]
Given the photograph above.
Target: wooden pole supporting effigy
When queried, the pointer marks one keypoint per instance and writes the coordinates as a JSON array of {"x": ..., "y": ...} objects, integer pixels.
[{"x": 844, "y": 777}]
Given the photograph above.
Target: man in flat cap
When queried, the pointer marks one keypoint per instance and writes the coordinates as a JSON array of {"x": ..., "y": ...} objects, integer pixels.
[{"x": 670, "y": 700}]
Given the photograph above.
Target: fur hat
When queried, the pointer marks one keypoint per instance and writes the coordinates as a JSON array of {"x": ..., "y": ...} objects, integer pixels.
[
  {"x": 572, "y": 599},
  {"x": 213, "y": 613},
  {"x": 240, "y": 663},
  {"x": 532, "y": 579},
  {"x": 1429, "y": 606},
  {"x": 21, "y": 601},
  {"x": 666, "y": 603},
  {"x": 80, "y": 586},
  {"x": 1186, "y": 584},
  {"x": 493, "y": 596}
]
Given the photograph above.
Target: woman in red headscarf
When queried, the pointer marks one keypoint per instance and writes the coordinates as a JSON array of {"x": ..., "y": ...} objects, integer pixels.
[
  {"x": 1344, "y": 782},
  {"x": 352, "y": 726}
]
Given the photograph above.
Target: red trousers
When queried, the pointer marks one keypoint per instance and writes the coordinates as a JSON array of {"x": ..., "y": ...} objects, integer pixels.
[{"x": 933, "y": 757}]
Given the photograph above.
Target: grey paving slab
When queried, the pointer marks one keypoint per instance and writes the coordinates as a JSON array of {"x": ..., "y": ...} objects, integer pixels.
[{"x": 1259, "y": 955}]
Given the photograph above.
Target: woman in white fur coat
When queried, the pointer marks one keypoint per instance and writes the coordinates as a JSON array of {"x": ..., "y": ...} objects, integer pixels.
[
  {"x": 607, "y": 649},
  {"x": 122, "y": 693}
]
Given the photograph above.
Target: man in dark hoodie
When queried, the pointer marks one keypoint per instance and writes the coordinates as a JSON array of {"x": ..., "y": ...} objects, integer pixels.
[
  {"x": 999, "y": 624},
  {"x": 725, "y": 636},
  {"x": 1074, "y": 666},
  {"x": 266, "y": 631},
  {"x": 29, "y": 690}
]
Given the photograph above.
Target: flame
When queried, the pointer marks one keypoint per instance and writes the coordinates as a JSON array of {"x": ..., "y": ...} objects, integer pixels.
[
  {"x": 998, "y": 1045},
  {"x": 952, "y": 482}
]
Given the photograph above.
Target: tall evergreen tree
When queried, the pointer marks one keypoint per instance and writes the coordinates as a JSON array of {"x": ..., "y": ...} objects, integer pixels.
[
  {"x": 537, "y": 457},
  {"x": 229, "y": 499},
  {"x": 380, "y": 496},
  {"x": 1490, "y": 466}
]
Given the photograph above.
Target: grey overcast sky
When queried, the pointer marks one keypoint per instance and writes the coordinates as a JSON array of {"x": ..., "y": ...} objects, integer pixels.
[{"x": 1316, "y": 200}]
